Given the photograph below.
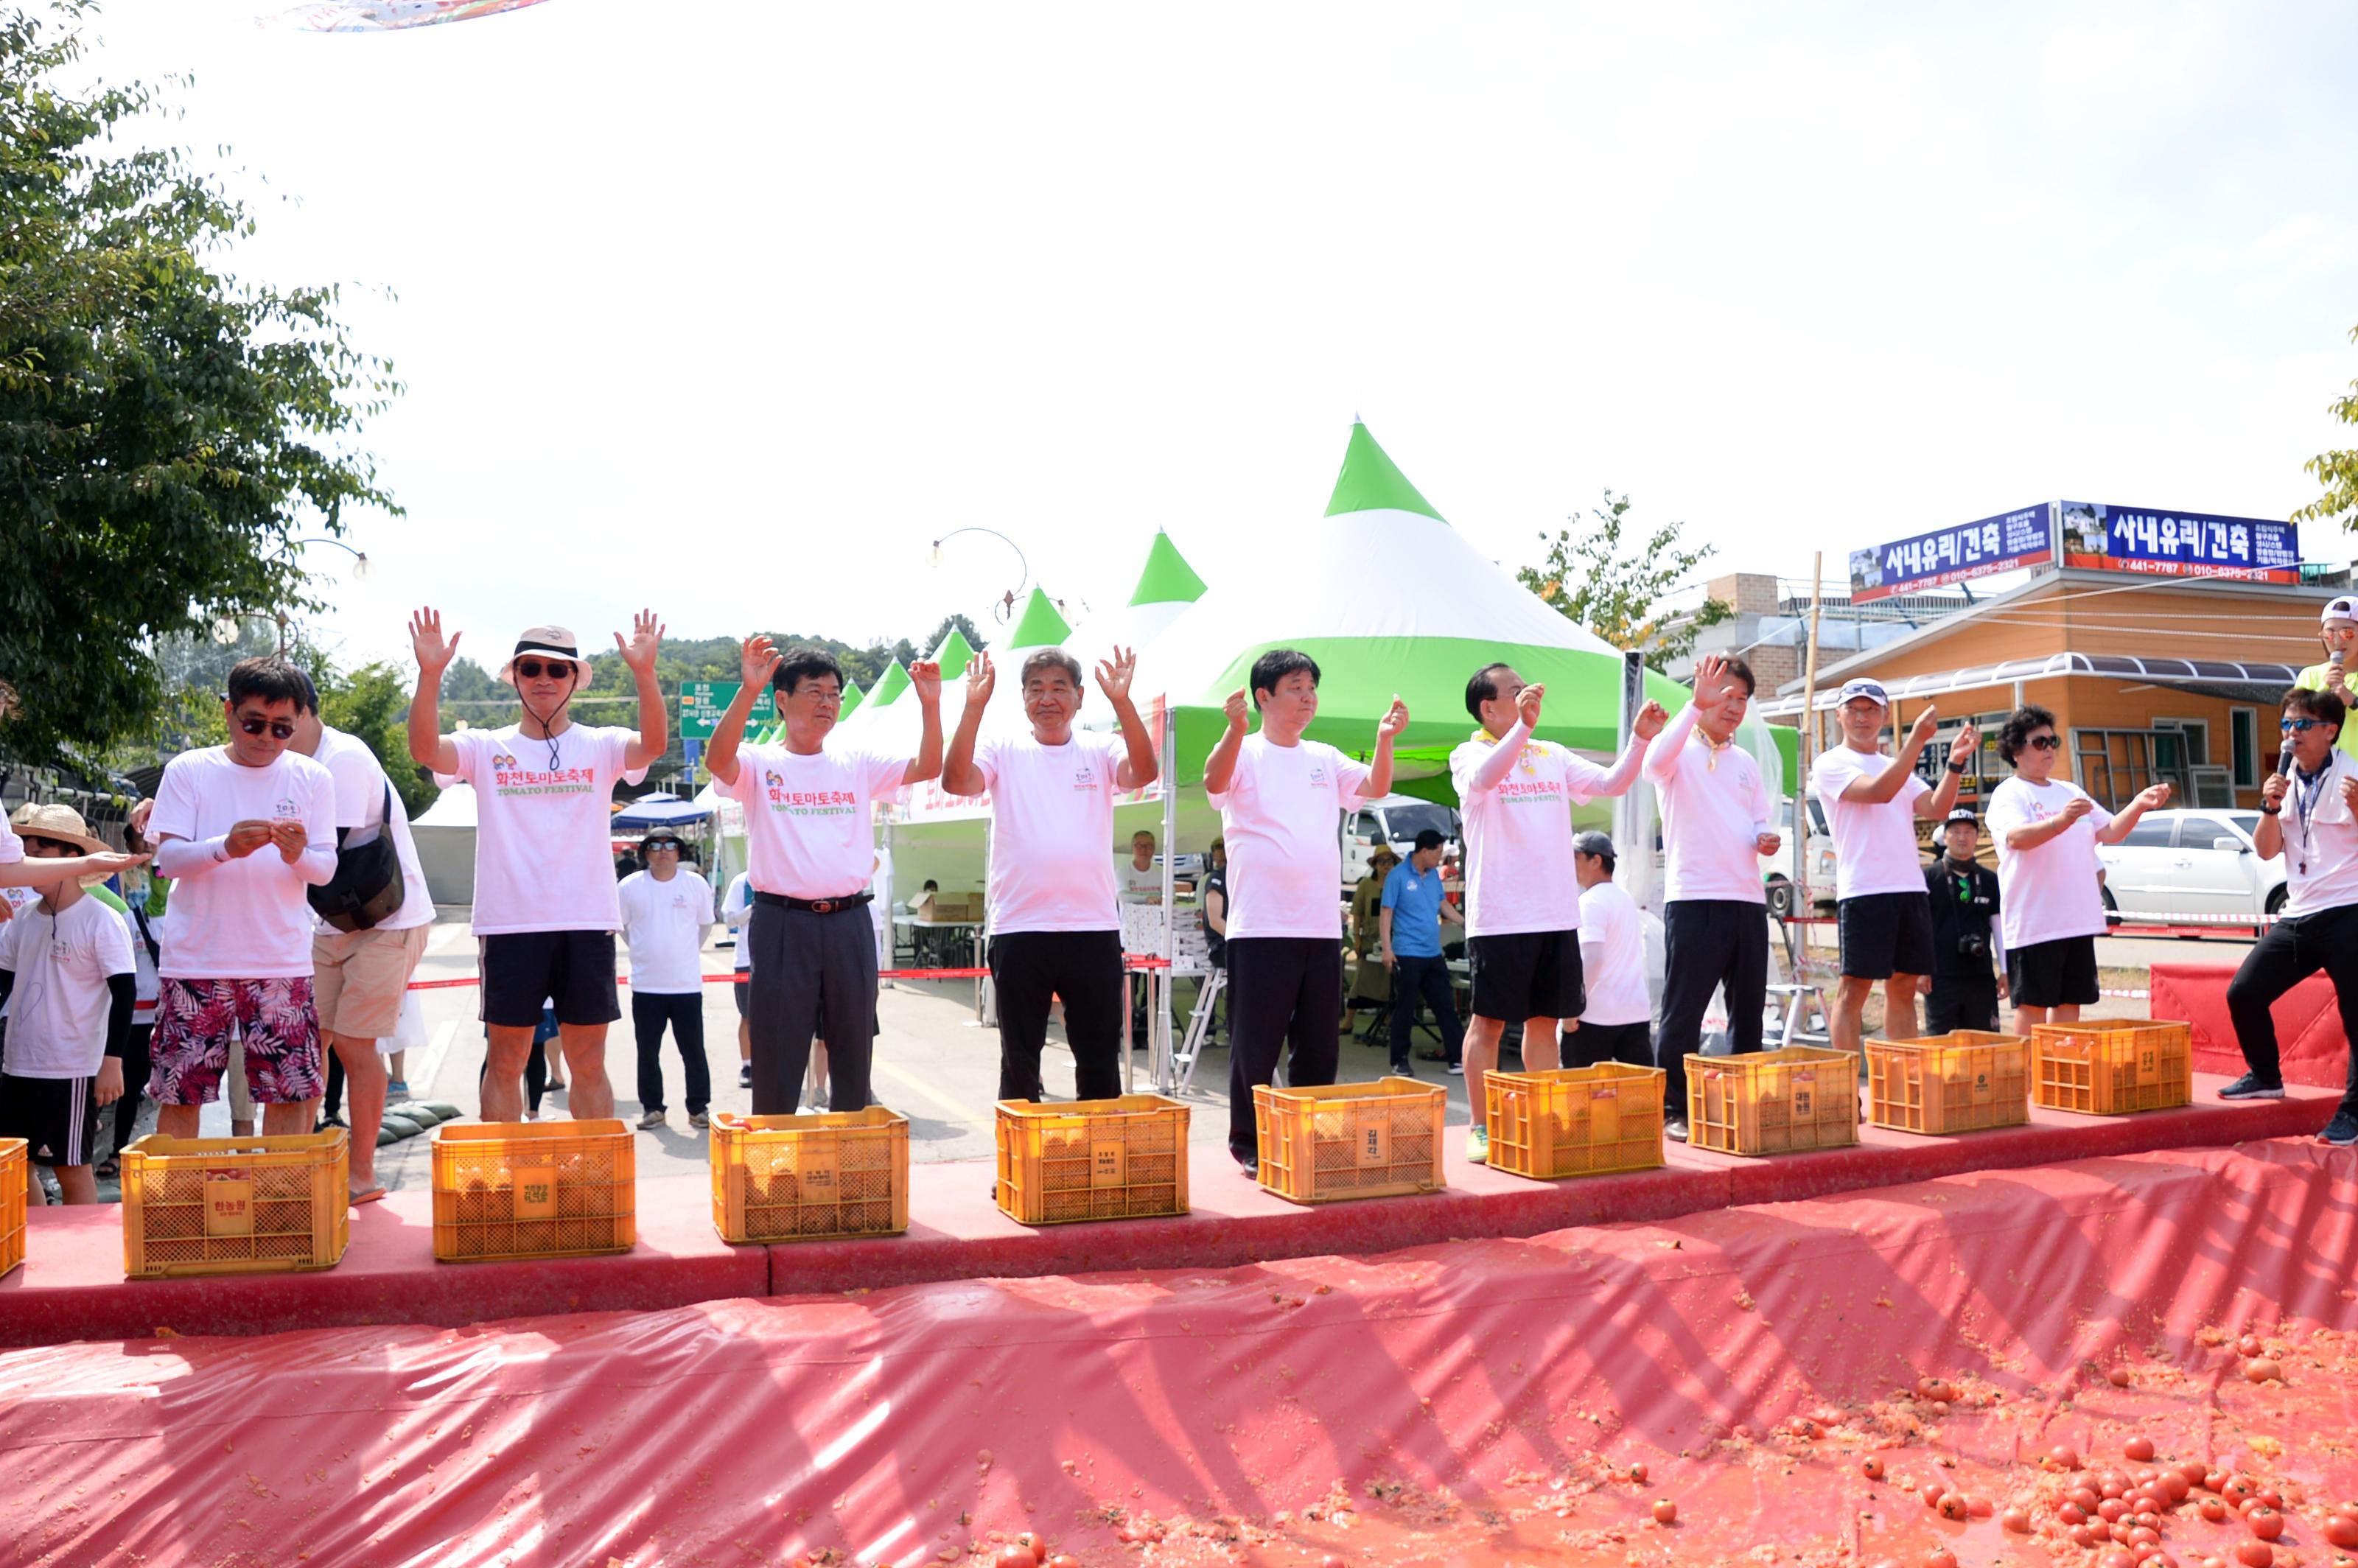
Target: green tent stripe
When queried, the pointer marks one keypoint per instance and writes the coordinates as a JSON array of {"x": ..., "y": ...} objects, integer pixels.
[
  {"x": 851, "y": 697},
  {"x": 890, "y": 685},
  {"x": 1041, "y": 626},
  {"x": 1168, "y": 579},
  {"x": 953, "y": 654},
  {"x": 1371, "y": 481}
]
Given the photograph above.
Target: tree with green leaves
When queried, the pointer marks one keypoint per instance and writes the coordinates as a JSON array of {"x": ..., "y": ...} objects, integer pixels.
[
  {"x": 1620, "y": 598},
  {"x": 2337, "y": 471},
  {"x": 168, "y": 433}
]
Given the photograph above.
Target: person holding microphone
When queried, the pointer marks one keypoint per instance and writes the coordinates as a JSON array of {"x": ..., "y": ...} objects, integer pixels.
[{"x": 2337, "y": 629}]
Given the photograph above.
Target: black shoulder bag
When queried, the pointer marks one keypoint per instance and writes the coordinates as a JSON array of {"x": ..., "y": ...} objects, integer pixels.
[{"x": 367, "y": 885}]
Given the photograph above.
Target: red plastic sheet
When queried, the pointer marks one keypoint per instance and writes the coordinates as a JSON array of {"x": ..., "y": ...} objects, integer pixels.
[{"x": 1460, "y": 1403}]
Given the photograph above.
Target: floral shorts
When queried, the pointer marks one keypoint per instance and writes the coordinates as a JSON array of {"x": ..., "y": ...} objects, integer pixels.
[{"x": 194, "y": 1022}]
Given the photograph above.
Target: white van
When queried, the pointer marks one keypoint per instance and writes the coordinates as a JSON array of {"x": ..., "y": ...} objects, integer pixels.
[{"x": 1396, "y": 820}]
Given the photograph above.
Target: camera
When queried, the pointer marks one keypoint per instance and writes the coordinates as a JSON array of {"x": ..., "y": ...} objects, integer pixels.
[{"x": 1973, "y": 946}]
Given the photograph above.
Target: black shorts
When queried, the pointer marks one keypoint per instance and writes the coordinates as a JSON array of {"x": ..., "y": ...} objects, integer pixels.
[
  {"x": 737, "y": 987},
  {"x": 1526, "y": 974},
  {"x": 57, "y": 1118},
  {"x": 1886, "y": 933},
  {"x": 1594, "y": 1042},
  {"x": 2061, "y": 973},
  {"x": 573, "y": 970}
]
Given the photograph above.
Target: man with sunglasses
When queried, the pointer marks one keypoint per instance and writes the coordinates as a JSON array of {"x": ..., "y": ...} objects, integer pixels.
[
  {"x": 67, "y": 972},
  {"x": 2310, "y": 816},
  {"x": 243, "y": 830},
  {"x": 2050, "y": 908},
  {"x": 665, "y": 912},
  {"x": 810, "y": 839},
  {"x": 546, "y": 906}
]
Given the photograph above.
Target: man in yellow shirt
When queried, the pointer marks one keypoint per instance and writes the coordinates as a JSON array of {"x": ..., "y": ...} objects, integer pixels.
[{"x": 2337, "y": 631}]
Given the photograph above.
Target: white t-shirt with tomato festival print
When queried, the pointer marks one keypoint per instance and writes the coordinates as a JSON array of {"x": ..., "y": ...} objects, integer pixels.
[
  {"x": 809, "y": 819},
  {"x": 2049, "y": 892},
  {"x": 1518, "y": 873},
  {"x": 544, "y": 844}
]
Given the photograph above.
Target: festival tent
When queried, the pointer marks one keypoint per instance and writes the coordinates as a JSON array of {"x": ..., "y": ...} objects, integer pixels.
[
  {"x": 1388, "y": 599},
  {"x": 1166, "y": 585},
  {"x": 660, "y": 809},
  {"x": 444, "y": 835}
]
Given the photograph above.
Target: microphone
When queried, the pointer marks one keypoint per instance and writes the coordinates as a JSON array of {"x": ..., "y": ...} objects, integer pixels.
[
  {"x": 2337, "y": 656},
  {"x": 2284, "y": 761}
]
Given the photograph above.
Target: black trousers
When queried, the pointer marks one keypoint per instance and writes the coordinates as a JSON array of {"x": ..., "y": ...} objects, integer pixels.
[
  {"x": 1593, "y": 1043},
  {"x": 1427, "y": 979},
  {"x": 1030, "y": 969},
  {"x": 2289, "y": 952},
  {"x": 137, "y": 1066},
  {"x": 684, "y": 1011},
  {"x": 1962, "y": 1001},
  {"x": 1283, "y": 992},
  {"x": 803, "y": 963},
  {"x": 1708, "y": 942}
]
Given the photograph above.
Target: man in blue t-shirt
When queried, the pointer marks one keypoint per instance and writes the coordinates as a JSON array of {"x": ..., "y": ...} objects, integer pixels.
[{"x": 1413, "y": 911}]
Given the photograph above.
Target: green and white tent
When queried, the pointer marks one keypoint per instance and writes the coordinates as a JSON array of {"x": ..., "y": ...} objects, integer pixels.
[
  {"x": 1390, "y": 600},
  {"x": 1166, "y": 587}
]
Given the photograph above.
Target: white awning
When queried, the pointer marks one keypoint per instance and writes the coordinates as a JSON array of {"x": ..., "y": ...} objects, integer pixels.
[{"x": 2117, "y": 666}]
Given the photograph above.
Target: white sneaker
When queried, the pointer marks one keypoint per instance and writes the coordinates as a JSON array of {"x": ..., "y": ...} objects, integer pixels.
[{"x": 1456, "y": 1069}]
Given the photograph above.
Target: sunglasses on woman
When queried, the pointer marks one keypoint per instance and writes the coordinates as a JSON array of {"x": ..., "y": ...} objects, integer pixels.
[
  {"x": 2047, "y": 743},
  {"x": 532, "y": 669},
  {"x": 254, "y": 724},
  {"x": 2299, "y": 726}
]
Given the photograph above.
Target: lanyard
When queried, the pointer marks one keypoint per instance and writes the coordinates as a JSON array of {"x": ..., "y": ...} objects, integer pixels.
[{"x": 2304, "y": 800}]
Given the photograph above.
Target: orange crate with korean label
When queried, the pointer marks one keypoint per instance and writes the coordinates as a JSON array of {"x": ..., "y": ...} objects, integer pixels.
[
  {"x": 13, "y": 1162},
  {"x": 1350, "y": 1140},
  {"x": 1093, "y": 1159},
  {"x": 1961, "y": 1082},
  {"x": 1575, "y": 1121},
  {"x": 792, "y": 1178},
  {"x": 2112, "y": 1066},
  {"x": 534, "y": 1189},
  {"x": 1773, "y": 1102},
  {"x": 234, "y": 1205}
]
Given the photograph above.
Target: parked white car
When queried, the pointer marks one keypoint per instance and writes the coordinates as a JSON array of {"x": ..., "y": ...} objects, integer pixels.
[
  {"x": 1777, "y": 870},
  {"x": 2197, "y": 862},
  {"x": 1396, "y": 820}
]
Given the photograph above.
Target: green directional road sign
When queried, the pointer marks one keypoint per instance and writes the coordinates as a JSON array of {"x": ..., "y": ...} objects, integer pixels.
[{"x": 701, "y": 703}]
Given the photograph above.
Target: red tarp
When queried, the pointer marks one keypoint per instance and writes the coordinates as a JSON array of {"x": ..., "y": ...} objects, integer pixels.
[
  {"x": 1451, "y": 1403},
  {"x": 2308, "y": 1023}
]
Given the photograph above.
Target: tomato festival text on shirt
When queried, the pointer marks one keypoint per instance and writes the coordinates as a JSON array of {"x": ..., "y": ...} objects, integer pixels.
[
  {"x": 1523, "y": 792},
  {"x": 812, "y": 802},
  {"x": 561, "y": 781}
]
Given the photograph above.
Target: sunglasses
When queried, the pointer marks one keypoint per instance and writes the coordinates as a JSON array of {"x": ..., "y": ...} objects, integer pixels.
[
  {"x": 280, "y": 729},
  {"x": 661, "y": 846},
  {"x": 2047, "y": 743},
  {"x": 49, "y": 846},
  {"x": 532, "y": 669},
  {"x": 2299, "y": 726}
]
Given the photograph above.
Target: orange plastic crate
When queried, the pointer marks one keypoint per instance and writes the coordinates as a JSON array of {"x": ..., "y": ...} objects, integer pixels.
[
  {"x": 1961, "y": 1082},
  {"x": 2113, "y": 1066},
  {"x": 791, "y": 1178},
  {"x": 1773, "y": 1102},
  {"x": 234, "y": 1205},
  {"x": 13, "y": 1158},
  {"x": 534, "y": 1189},
  {"x": 1092, "y": 1159},
  {"x": 1575, "y": 1121},
  {"x": 1350, "y": 1140}
]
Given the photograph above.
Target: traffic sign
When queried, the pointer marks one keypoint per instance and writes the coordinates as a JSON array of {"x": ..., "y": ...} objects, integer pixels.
[{"x": 701, "y": 703}]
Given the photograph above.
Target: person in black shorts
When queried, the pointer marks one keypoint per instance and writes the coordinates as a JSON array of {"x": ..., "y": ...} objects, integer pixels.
[{"x": 1963, "y": 991}]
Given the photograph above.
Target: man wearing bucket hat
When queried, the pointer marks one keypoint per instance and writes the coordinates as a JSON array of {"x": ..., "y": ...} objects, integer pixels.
[
  {"x": 66, "y": 972},
  {"x": 1873, "y": 803},
  {"x": 546, "y": 908},
  {"x": 2337, "y": 631},
  {"x": 1968, "y": 954}
]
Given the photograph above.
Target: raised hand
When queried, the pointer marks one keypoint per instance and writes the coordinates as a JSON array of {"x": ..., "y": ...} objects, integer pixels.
[
  {"x": 427, "y": 643},
  {"x": 1711, "y": 678},
  {"x": 1394, "y": 721},
  {"x": 2273, "y": 788},
  {"x": 1961, "y": 750},
  {"x": 2078, "y": 808},
  {"x": 1527, "y": 704},
  {"x": 1920, "y": 734},
  {"x": 2153, "y": 798},
  {"x": 1649, "y": 720},
  {"x": 111, "y": 862},
  {"x": 1238, "y": 707},
  {"x": 140, "y": 814},
  {"x": 759, "y": 660},
  {"x": 981, "y": 680},
  {"x": 646, "y": 640},
  {"x": 1115, "y": 674},
  {"x": 926, "y": 677},
  {"x": 2350, "y": 793}
]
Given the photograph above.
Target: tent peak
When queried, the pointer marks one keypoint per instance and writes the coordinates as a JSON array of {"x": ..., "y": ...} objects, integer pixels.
[
  {"x": 1038, "y": 626},
  {"x": 1371, "y": 481},
  {"x": 1166, "y": 578},
  {"x": 952, "y": 655}
]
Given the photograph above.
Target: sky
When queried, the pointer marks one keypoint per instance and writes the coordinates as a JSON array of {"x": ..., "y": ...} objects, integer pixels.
[{"x": 732, "y": 309}]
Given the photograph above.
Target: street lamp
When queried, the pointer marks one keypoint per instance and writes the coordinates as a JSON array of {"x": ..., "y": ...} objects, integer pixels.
[
  {"x": 362, "y": 566},
  {"x": 1007, "y": 601}
]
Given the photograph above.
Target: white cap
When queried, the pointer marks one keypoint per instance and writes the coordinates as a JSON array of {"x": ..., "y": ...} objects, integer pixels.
[
  {"x": 1861, "y": 687},
  {"x": 2345, "y": 607}
]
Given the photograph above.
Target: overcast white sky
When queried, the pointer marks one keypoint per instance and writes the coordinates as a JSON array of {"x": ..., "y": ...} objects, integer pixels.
[{"x": 730, "y": 307}]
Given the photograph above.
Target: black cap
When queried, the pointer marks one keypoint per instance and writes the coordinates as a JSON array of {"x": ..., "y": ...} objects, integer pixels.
[
  {"x": 660, "y": 836},
  {"x": 1594, "y": 843},
  {"x": 1430, "y": 839},
  {"x": 1963, "y": 814}
]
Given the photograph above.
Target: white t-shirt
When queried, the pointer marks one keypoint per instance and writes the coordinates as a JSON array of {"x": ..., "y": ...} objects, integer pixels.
[
  {"x": 544, "y": 839},
  {"x": 735, "y": 905},
  {"x": 361, "y": 790},
  {"x": 1283, "y": 817},
  {"x": 145, "y": 987},
  {"x": 1875, "y": 845},
  {"x": 1051, "y": 824},
  {"x": 12, "y": 848},
  {"x": 809, "y": 819},
  {"x": 1613, "y": 956},
  {"x": 1715, "y": 806},
  {"x": 663, "y": 924},
  {"x": 57, "y": 1016},
  {"x": 2320, "y": 853},
  {"x": 244, "y": 919},
  {"x": 1137, "y": 886},
  {"x": 1519, "y": 871},
  {"x": 2049, "y": 893}
]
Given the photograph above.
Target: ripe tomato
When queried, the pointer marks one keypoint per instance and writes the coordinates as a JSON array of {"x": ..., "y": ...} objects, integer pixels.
[
  {"x": 2255, "y": 1555},
  {"x": 1065, "y": 1560},
  {"x": 1941, "y": 1557},
  {"x": 2139, "y": 1449},
  {"x": 2118, "y": 1377},
  {"x": 1031, "y": 1542},
  {"x": 2211, "y": 1508},
  {"x": 1013, "y": 1556},
  {"x": 2262, "y": 1369},
  {"x": 2342, "y": 1529},
  {"x": 2194, "y": 1470},
  {"x": 1871, "y": 1468},
  {"x": 2014, "y": 1520},
  {"x": 2264, "y": 1522},
  {"x": 1637, "y": 1474},
  {"x": 1665, "y": 1511},
  {"x": 2085, "y": 1497},
  {"x": 1952, "y": 1505},
  {"x": 2062, "y": 1456}
]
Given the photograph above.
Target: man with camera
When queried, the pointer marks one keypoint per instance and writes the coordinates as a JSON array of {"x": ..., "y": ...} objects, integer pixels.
[{"x": 1966, "y": 981}]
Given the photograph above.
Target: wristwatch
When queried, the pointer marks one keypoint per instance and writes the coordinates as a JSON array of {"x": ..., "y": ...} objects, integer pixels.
[
  {"x": 1956, "y": 767},
  {"x": 2268, "y": 810}
]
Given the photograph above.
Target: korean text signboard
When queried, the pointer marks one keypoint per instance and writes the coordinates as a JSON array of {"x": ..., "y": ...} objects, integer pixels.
[
  {"x": 701, "y": 703},
  {"x": 2106, "y": 537},
  {"x": 2007, "y": 542}
]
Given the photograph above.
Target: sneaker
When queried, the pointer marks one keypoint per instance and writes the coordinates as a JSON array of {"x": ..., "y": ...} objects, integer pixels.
[
  {"x": 745, "y": 1076},
  {"x": 2251, "y": 1085},
  {"x": 396, "y": 1088},
  {"x": 1477, "y": 1145},
  {"x": 1675, "y": 1128},
  {"x": 1250, "y": 1165},
  {"x": 696, "y": 1119},
  {"x": 1403, "y": 1070},
  {"x": 2341, "y": 1132},
  {"x": 1456, "y": 1069},
  {"x": 650, "y": 1119}
]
